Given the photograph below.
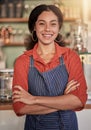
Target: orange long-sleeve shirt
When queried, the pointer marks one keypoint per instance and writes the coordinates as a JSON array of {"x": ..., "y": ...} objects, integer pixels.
[{"x": 71, "y": 60}]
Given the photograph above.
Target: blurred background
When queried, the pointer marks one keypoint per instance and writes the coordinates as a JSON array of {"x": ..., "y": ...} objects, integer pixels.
[{"x": 76, "y": 32}]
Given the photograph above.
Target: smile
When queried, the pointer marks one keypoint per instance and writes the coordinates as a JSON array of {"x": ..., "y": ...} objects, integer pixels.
[{"x": 47, "y": 35}]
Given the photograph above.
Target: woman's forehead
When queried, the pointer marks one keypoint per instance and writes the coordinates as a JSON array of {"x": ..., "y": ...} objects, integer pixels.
[{"x": 47, "y": 15}]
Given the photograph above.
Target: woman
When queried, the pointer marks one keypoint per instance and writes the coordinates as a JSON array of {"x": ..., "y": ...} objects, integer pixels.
[{"x": 49, "y": 84}]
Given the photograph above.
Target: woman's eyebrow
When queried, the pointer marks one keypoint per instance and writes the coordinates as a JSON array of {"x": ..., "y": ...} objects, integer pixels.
[{"x": 41, "y": 20}]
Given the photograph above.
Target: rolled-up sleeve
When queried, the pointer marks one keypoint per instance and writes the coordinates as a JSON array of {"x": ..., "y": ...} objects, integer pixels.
[
  {"x": 20, "y": 78},
  {"x": 76, "y": 72}
]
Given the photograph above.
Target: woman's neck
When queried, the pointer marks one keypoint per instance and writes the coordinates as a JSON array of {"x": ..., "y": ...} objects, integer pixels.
[
  {"x": 46, "y": 49},
  {"x": 46, "y": 52}
]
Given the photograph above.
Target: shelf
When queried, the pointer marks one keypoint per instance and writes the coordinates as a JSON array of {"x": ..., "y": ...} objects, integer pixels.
[
  {"x": 13, "y": 20},
  {"x": 6, "y": 106},
  {"x": 88, "y": 106},
  {"x": 13, "y": 44},
  {"x": 24, "y": 20},
  {"x": 70, "y": 19},
  {"x": 84, "y": 53}
]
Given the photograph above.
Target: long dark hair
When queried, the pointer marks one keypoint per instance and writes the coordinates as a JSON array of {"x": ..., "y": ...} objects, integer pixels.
[{"x": 29, "y": 43}]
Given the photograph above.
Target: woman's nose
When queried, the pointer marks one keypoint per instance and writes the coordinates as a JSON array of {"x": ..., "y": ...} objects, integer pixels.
[{"x": 47, "y": 27}]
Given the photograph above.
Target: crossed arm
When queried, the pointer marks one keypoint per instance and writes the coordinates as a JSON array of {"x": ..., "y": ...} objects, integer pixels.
[{"x": 45, "y": 104}]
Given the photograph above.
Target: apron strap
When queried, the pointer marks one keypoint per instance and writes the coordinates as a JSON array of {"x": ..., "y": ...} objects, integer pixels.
[
  {"x": 61, "y": 60},
  {"x": 31, "y": 62}
]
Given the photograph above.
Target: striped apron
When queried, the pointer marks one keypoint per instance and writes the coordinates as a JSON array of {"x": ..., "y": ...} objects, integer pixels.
[{"x": 49, "y": 83}]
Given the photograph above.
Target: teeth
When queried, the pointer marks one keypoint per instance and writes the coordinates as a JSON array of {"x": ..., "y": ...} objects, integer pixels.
[{"x": 47, "y": 35}]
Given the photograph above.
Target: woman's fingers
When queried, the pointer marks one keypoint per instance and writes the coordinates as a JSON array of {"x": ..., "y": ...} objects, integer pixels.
[
  {"x": 18, "y": 87},
  {"x": 72, "y": 85},
  {"x": 18, "y": 92},
  {"x": 72, "y": 88},
  {"x": 21, "y": 95}
]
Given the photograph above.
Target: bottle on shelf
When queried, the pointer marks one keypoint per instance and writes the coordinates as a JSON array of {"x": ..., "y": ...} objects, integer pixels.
[
  {"x": 19, "y": 5},
  {"x": 2, "y": 59},
  {"x": 11, "y": 9},
  {"x": 79, "y": 35}
]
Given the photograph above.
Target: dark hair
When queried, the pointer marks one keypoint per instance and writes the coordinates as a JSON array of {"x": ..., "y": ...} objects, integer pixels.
[{"x": 33, "y": 18}]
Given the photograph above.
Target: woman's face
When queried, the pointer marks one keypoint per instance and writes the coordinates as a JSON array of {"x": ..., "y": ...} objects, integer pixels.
[{"x": 47, "y": 27}]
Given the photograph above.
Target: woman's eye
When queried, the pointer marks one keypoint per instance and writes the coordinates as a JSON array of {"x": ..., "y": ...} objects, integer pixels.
[
  {"x": 53, "y": 24},
  {"x": 41, "y": 23}
]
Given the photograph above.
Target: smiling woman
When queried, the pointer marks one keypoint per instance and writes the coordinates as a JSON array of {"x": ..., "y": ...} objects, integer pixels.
[
  {"x": 48, "y": 84},
  {"x": 47, "y": 28}
]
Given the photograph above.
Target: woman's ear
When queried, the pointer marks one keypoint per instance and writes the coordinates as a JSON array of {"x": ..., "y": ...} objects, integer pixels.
[{"x": 34, "y": 28}]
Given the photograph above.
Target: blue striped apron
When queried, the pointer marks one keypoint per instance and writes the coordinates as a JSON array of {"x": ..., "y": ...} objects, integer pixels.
[{"x": 49, "y": 83}]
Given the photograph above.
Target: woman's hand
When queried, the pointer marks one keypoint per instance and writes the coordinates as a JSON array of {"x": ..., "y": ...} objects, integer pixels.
[
  {"x": 71, "y": 86},
  {"x": 21, "y": 95}
]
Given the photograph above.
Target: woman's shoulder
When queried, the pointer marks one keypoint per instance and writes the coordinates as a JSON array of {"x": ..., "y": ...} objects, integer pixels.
[
  {"x": 70, "y": 51},
  {"x": 71, "y": 57},
  {"x": 67, "y": 51}
]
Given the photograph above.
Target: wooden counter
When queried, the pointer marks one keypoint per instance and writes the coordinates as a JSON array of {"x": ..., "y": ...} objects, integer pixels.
[
  {"x": 88, "y": 106},
  {"x": 8, "y": 106}
]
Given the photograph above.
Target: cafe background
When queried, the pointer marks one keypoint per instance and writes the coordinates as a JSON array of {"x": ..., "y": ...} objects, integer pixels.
[{"x": 13, "y": 21}]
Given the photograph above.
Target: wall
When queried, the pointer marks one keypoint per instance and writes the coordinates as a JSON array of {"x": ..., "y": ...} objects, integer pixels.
[
  {"x": 84, "y": 119},
  {"x": 12, "y": 52},
  {"x": 9, "y": 121}
]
